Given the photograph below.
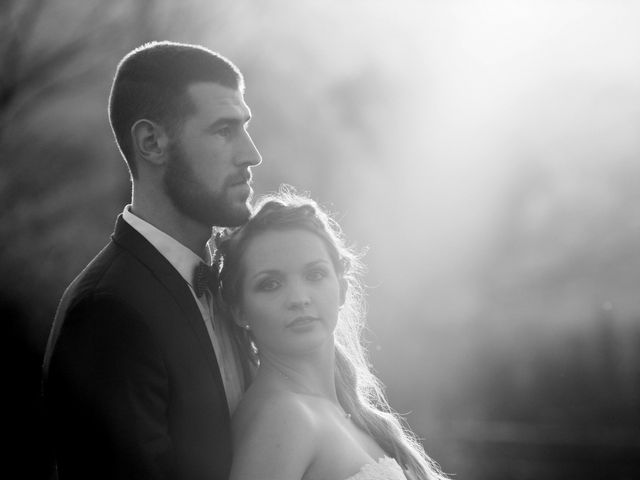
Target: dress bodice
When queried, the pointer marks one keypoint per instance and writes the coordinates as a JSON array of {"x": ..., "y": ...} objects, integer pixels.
[{"x": 384, "y": 469}]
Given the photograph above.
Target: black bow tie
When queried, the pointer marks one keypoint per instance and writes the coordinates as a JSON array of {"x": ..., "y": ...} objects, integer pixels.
[{"x": 205, "y": 277}]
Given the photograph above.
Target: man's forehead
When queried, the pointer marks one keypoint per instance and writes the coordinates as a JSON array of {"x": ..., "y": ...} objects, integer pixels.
[{"x": 225, "y": 100}]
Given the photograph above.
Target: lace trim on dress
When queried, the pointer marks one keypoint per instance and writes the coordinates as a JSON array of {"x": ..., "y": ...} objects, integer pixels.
[{"x": 385, "y": 468}]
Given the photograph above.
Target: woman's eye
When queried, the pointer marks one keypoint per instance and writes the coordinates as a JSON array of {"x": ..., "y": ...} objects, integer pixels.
[
  {"x": 316, "y": 275},
  {"x": 268, "y": 285}
]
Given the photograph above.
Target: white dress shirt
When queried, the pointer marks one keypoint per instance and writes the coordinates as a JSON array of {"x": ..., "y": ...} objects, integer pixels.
[{"x": 184, "y": 261}]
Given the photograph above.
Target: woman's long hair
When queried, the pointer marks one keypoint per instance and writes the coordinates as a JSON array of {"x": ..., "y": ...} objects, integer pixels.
[{"x": 359, "y": 391}]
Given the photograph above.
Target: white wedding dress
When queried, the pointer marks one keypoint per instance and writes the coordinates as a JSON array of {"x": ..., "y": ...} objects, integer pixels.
[{"x": 384, "y": 469}]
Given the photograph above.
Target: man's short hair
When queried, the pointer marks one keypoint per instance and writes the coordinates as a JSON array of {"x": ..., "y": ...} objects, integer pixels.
[{"x": 151, "y": 82}]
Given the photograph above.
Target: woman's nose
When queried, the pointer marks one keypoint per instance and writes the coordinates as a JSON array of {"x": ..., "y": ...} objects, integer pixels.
[{"x": 298, "y": 297}]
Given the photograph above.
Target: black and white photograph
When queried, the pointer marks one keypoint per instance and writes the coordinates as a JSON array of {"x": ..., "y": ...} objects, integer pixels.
[{"x": 320, "y": 239}]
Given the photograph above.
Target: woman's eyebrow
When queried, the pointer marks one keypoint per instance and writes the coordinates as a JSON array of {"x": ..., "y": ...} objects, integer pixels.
[
  {"x": 275, "y": 271},
  {"x": 268, "y": 271}
]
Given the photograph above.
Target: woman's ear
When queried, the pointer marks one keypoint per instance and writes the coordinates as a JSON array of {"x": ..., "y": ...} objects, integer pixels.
[
  {"x": 150, "y": 141},
  {"x": 344, "y": 286},
  {"x": 238, "y": 318}
]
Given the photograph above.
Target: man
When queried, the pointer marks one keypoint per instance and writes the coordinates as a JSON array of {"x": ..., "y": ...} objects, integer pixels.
[{"x": 140, "y": 375}]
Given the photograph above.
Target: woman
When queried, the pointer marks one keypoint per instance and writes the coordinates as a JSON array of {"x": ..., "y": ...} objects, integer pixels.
[{"x": 314, "y": 409}]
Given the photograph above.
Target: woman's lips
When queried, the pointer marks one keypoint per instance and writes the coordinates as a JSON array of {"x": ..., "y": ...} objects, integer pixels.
[{"x": 302, "y": 321}]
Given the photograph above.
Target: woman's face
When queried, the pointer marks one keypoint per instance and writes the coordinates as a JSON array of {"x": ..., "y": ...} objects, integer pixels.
[{"x": 290, "y": 293}]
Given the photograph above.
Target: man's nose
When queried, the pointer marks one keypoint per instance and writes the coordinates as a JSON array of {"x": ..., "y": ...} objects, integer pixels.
[{"x": 249, "y": 155}]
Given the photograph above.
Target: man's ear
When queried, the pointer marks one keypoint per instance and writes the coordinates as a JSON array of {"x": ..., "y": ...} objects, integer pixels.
[{"x": 150, "y": 141}]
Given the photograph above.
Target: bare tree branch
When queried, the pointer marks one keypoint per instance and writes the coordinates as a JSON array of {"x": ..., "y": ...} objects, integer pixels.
[
  {"x": 27, "y": 80},
  {"x": 19, "y": 26}
]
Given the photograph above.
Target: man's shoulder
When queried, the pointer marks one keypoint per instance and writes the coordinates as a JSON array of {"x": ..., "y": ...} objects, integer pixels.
[
  {"x": 112, "y": 261},
  {"x": 114, "y": 271}
]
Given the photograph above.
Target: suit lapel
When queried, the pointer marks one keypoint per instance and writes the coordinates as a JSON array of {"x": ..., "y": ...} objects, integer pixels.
[{"x": 130, "y": 239}]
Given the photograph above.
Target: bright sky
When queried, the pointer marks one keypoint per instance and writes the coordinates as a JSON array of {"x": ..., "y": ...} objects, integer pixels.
[{"x": 465, "y": 102}]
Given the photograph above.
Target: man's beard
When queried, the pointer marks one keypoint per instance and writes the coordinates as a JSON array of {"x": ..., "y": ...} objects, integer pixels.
[{"x": 194, "y": 200}]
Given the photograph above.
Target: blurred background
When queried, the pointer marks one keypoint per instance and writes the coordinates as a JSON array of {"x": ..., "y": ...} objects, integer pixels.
[{"x": 485, "y": 153}]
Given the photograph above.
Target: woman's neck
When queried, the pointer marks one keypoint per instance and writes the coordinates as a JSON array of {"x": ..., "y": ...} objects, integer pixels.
[{"x": 312, "y": 374}]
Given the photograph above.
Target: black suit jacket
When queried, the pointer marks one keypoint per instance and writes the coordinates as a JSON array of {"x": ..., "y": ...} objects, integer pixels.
[{"x": 131, "y": 381}]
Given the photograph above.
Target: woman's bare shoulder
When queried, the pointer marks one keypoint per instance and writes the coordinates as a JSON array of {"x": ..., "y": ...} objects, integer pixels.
[
  {"x": 273, "y": 435},
  {"x": 279, "y": 411}
]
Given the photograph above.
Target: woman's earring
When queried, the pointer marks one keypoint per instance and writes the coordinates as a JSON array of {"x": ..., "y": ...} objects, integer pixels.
[{"x": 246, "y": 326}]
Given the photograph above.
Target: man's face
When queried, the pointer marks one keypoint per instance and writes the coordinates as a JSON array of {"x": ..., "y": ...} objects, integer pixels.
[{"x": 208, "y": 176}]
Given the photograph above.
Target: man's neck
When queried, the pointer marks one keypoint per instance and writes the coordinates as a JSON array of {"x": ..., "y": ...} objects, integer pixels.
[{"x": 164, "y": 216}]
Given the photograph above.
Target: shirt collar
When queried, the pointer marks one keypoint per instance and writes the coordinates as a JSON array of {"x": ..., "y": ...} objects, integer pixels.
[{"x": 181, "y": 257}]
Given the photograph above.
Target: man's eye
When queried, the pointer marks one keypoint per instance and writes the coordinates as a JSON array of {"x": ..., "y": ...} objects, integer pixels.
[{"x": 224, "y": 132}]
